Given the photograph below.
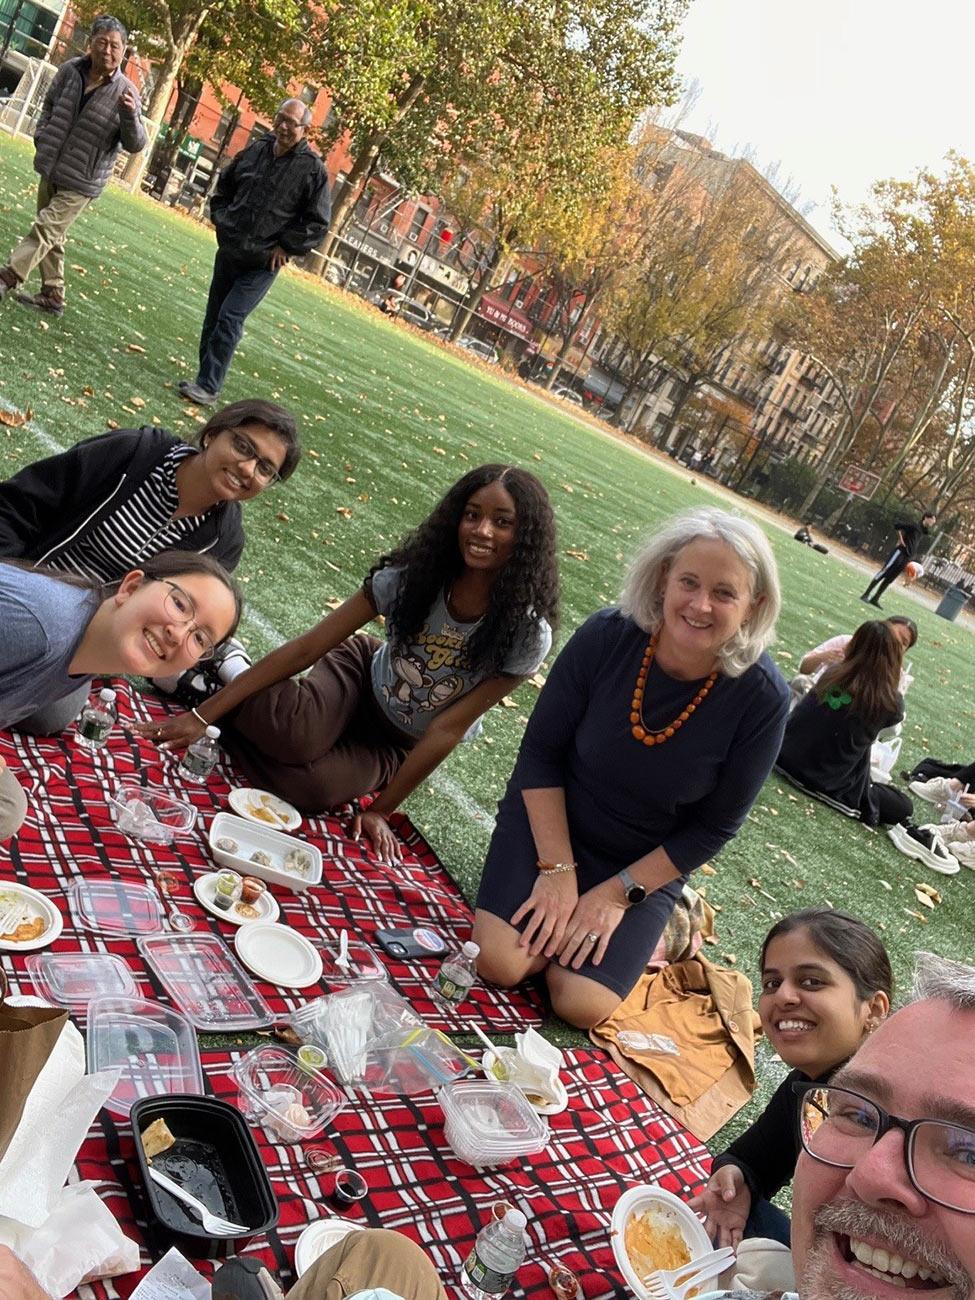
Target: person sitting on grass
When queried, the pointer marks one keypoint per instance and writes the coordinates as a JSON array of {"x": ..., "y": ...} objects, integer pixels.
[
  {"x": 814, "y": 662},
  {"x": 470, "y": 599},
  {"x": 651, "y": 739},
  {"x": 826, "y": 749},
  {"x": 106, "y": 505},
  {"x": 60, "y": 631},
  {"x": 826, "y": 985},
  {"x": 952, "y": 797}
]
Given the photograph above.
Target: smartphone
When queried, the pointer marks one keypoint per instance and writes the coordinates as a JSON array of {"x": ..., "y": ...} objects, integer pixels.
[{"x": 411, "y": 942}]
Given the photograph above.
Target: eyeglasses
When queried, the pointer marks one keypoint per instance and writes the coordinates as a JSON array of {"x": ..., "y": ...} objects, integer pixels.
[
  {"x": 243, "y": 450},
  {"x": 181, "y": 608},
  {"x": 838, "y": 1127}
]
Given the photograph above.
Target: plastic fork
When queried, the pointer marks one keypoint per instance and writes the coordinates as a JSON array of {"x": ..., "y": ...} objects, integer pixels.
[
  {"x": 212, "y": 1223},
  {"x": 11, "y": 917},
  {"x": 676, "y": 1283}
]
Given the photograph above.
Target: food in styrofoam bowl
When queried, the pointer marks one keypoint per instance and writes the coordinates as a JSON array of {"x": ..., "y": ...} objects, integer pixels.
[{"x": 653, "y": 1229}]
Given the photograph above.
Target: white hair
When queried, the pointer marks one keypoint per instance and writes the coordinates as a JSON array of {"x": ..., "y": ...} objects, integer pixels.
[
  {"x": 642, "y": 595},
  {"x": 306, "y": 113},
  {"x": 943, "y": 980}
]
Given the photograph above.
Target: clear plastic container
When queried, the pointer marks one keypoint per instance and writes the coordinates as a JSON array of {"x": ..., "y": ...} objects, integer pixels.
[
  {"x": 361, "y": 964},
  {"x": 490, "y": 1123},
  {"x": 72, "y": 979},
  {"x": 292, "y": 1101},
  {"x": 147, "y": 813},
  {"x": 154, "y": 1046},
  {"x": 110, "y": 906},
  {"x": 206, "y": 981}
]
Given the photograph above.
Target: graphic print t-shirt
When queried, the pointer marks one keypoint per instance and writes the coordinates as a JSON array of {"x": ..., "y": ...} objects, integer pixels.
[{"x": 413, "y": 683}]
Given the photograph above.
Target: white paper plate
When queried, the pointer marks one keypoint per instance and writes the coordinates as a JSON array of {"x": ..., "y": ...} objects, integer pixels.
[
  {"x": 35, "y": 905},
  {"x": 283, "y": 817},
  {"x": 636, "y": 1201},
  {"x": 318, "y": 1237},
  {"x": 279, "y": 955},
  {"x": 546, "y": 1108},
  {"x": 267, "y": 906}
]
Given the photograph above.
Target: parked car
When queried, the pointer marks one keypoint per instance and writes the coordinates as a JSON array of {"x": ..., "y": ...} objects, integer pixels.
[
  {"x": 407, "y": 309},
  {"x": 486, "y": 351},
  {"x": 568, "y": 395}
]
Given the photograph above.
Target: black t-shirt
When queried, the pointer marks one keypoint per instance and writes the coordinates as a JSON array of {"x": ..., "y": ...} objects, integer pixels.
[{"x": 912, "y": 534}]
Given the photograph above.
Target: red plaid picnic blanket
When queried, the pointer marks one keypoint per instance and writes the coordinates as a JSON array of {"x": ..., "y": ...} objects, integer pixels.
[
  {"x": 610, "y": 1138},
  {"x": 70, "y": 833}
]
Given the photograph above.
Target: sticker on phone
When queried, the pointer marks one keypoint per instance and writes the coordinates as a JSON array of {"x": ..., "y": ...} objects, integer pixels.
[{"x": 429, "y": 939}]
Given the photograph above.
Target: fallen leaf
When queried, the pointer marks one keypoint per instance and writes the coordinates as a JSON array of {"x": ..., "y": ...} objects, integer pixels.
[
  {"x": 930, "y": 891},
  {"x": 344, "y": 511},
  {"x": 887, "y": 885},
  {"x": 924, "y": 900},
  {"x": 708, "y": 870},
  {"x": 730, "y": 958},
  {"x": 333, "y": 602},
  {"x": 14, "y": 419},
  {"x": 538, "y": 681},
  {"x": 134, "y": 347},
  {"x": 578, "y": 555},
  {"x": 917, "y": 915},
  {"x": 285, "y": 519},
  {"x": 567, "y": 487},
  {"x": 508, "y": 703},
  {"x": 138, "y": 402}
]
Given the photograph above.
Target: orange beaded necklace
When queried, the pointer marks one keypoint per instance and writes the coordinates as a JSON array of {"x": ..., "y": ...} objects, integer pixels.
[{"x": 657, "y": 737}]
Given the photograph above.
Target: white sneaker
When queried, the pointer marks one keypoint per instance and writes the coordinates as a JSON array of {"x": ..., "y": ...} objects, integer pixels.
[
  {"x": 937, "y": 791},
  {"x": 230, "y": 659},
  {"x": 954, "y": 836},
  {"x": 924, "y": 845}
]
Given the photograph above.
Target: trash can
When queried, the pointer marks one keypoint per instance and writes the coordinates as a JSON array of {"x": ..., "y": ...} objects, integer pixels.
[{"x": 952, "y": 603}]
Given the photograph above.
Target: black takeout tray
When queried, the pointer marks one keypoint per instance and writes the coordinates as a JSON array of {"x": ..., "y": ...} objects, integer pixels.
[{"x": 217, "y": 1160}]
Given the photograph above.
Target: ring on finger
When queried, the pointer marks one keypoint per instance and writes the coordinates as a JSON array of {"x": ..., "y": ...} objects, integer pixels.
[{"x": 592, "y": 937}]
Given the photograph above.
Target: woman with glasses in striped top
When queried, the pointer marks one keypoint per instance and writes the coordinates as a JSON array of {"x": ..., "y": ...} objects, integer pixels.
[{"x": 107, "y": 505}]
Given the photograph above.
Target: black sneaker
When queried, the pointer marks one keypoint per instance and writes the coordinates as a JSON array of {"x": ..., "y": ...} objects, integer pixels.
[{"x": 244, "y": 1279}]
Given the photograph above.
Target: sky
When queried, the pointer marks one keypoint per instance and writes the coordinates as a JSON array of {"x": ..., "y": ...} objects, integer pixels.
[{"x": 839, "y": 92}]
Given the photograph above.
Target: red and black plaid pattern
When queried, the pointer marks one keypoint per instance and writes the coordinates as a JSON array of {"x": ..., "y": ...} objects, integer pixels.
[
  {"x": 69, "y": 834},
  {"x": 610, "y": 1138}
]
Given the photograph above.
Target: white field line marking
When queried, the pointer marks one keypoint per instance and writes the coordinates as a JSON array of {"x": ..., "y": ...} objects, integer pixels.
[{"x": 49, "y": 443}]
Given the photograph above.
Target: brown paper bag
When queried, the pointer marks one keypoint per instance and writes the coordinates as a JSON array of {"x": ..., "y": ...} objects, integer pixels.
[{"x": 27, "y": 1038}]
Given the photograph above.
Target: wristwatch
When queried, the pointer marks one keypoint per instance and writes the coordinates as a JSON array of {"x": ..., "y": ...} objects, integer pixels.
[{"x": 634, "y": 891}]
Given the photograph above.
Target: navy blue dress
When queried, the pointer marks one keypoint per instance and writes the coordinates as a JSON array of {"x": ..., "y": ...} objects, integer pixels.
[{"x": 623, "y": 798}]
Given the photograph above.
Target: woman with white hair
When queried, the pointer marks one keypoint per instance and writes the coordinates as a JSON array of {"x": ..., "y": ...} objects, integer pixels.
[{"x": 658, "y": 724}]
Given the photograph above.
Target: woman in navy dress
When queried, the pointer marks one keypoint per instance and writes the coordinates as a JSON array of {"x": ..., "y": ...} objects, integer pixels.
[{"x": 655, "y": 731}]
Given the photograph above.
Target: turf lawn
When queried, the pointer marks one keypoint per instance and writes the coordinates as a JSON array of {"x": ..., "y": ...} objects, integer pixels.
[{"x": 390, "y": 419}]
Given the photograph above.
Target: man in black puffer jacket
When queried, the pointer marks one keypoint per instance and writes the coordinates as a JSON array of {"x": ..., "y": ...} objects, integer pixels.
[
  {"x": 270, "y": 204},
  {"x": 90, "y": 112}
]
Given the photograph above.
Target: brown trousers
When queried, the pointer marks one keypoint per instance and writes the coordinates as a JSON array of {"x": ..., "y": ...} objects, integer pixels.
[
  {"x": 320, "y": 740},
  {"x": 372, "y": 1258},
  {"x": 43, "y": 245}
]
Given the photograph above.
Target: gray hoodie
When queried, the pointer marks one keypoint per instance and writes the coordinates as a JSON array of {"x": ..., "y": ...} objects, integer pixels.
[{"x": 75, "y": 148}]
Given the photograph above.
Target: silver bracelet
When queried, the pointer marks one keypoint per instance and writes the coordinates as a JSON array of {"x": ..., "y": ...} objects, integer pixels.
[{"x": 199, "y": 717}]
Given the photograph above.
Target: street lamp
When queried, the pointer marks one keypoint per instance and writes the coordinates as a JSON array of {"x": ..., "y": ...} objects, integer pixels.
[{"x": 445, "y": 235}]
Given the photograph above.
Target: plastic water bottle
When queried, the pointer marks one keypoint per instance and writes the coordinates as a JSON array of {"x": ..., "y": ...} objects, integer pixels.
[
  {"x": 455, "y": 978},
  {"x": 201, "y": 757},
  {"x": 97, "y": 719},
  {"x": 498, "y": 1254}
]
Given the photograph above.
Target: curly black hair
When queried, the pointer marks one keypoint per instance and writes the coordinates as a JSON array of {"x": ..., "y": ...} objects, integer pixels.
[{"x": 527, "y": 586}]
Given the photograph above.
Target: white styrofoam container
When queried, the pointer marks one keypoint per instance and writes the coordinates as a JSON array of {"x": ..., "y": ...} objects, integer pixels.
[{"x": 252, "y": 837}]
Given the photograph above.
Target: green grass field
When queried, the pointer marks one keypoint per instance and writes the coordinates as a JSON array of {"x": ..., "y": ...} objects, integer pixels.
[{"x": 389, "y": 420}]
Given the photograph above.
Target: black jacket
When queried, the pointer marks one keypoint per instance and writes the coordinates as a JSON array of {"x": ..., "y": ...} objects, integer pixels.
[
  {"x": 912, "y": 534},
  {"x": 261, "y": 201},
  {"x": 52, "y": 502},
  {"x": 766, "y": 1153}
]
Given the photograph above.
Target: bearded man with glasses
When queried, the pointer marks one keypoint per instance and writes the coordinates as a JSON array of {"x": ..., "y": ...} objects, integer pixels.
[
  {"x": 270, "y": 204},
  {"x": 883, "y": 1201}
]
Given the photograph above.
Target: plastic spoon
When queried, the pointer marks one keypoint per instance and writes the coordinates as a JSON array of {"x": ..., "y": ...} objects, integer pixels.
[
  {"x": 498, "y": 1069},
  {"x": 178, "y": 921}
]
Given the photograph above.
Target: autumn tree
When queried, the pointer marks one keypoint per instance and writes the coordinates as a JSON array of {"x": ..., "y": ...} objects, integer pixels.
[{"x": 433, "y": 85}]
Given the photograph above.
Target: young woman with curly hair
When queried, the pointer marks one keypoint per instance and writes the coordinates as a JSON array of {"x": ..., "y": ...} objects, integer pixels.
[{"x": 470, "y": 599}]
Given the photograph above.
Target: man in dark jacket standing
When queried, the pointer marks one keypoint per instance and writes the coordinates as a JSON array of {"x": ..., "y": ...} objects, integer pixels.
[
  {"x": 908, "y": 539},
  {"x": 90, "y": 112},
  {"x": 270, "y": 204}
]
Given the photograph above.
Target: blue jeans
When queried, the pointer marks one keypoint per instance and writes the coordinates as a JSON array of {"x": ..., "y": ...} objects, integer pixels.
[
  {"x": 235, "y": 291},
  {"x": 767, "y": 1220}
]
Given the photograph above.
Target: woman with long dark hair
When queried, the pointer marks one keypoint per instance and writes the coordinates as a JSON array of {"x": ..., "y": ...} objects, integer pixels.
[
  {"x": 826, "y": 750},
  {"x": 60, "y": 631},
  {"x": 470, "y": 599},
  {"x": 109, "y": 503},
  {"x": 826, "y": 985}
]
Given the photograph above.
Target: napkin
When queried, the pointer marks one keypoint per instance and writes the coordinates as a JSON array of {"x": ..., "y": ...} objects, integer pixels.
[{"x": 55, "y": 1122}]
